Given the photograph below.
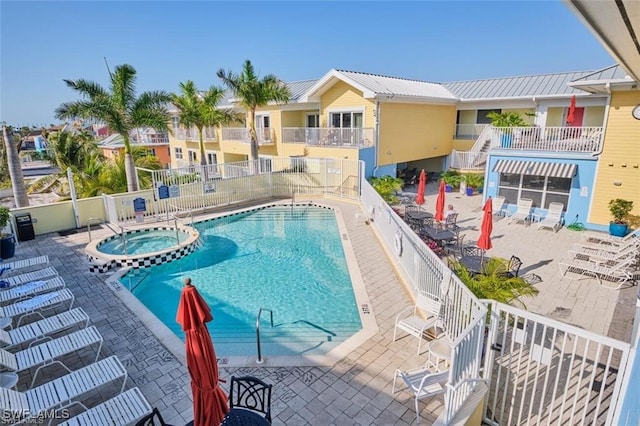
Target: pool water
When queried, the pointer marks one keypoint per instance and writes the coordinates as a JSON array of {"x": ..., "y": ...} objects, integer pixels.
[
  {"x": 287, "y": 260},
  {"x": 147, "y": 241}
]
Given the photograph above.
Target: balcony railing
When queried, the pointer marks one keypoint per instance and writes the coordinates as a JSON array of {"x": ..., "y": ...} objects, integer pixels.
[
  {"x": 467, "y": 160},
  {"x": 468, "y": 131},
  {"x": 321, "y": 136},
  {"x": 191, "y": 134},
  {"x": 150, "y": 138},
  {"x": 559, "y": 139},
  {"x": 265, "y": 136}
]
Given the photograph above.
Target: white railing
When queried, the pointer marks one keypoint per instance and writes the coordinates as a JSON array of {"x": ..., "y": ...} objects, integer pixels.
[
  {"x": 322, "y": 136},
  {"x": 467, "y": 160},
  {"x": 542, "y": 371},
  {"x": 191, "y": 134},
  {"x": 559, "y": 139},
  {"x": 265, "y": 135},
  {"x": 483, "y": 143},
  {"x": 462, "y": 314},
  {"x": 150, "y": 138},
  {"x": 468, "y": 131}
]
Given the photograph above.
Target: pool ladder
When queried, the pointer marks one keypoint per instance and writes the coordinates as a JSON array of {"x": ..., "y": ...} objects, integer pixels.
[
  {"x": 96, "y": 220},
  {"x": 260, "y": 360}
]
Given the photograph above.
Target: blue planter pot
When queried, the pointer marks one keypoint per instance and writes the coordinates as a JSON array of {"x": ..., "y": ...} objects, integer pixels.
[
  {"x": 448, "y": 188},
  {"x": 480, "y": 190},
  {"x": 469, "y": 191},
  {"x": 7, "y": 247},
  {"x": 506, "y": 140},
  {"x": 618, "y": 229}
]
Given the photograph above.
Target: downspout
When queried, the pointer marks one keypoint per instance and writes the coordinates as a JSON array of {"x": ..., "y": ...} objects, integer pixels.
[{"x": 376, "y": 137}]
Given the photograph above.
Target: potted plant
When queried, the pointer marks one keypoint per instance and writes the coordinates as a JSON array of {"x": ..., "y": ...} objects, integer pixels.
[
  {"x": 620, "y": 210},
  {"x": 7, "y": 241},
  {"x": 387, "y": 187},
  {"x": 451, "y": 179},
  {"x": 474, "y": 182},
  {"x": 504, "y": 120}
]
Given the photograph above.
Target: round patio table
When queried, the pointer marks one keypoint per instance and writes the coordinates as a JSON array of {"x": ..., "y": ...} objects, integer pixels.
[
  {"x": 474, "y": 264},
  {"x": 240, "y": 417}
]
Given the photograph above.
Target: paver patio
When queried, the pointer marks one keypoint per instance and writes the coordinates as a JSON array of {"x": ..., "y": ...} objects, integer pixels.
[{"x": 356, "y": 390}]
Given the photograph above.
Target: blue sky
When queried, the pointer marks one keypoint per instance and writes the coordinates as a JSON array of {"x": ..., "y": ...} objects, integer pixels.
[{"x": 169, "y": 42}]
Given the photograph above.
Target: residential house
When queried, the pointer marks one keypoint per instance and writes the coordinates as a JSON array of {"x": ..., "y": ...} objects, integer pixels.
[{"x": 157, "y": 143}]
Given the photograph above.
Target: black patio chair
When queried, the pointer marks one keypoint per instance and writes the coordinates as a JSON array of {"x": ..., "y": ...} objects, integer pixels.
[
  {"x": 532, "y": 278},
  {"x": 250, "y": 393},
  {"x": 471, "y": 251},
  {"x": 153, "y": 419},
  {"x": 514, "y": 267}
]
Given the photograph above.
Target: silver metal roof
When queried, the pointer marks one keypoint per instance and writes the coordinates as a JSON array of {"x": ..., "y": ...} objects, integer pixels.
[
  {"x": 614, "y": 72},
  {"x": 394, "y": 86},
  {"x": 297, "y": 88},
  {"x": 517, "y": 87}
]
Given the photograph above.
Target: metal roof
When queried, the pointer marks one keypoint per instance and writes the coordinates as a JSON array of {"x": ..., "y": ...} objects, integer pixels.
[
  {"x": 394, "y": 86},
  {"x": 297, "y": 89},
  {"x": 614, "y": 72},
  {"x": 517, "y": 87}
]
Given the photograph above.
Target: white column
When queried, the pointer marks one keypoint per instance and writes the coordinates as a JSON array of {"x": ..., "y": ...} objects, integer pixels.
[
  {"x": 541, "y": 116},
  {"x": 74, "y": 198}
]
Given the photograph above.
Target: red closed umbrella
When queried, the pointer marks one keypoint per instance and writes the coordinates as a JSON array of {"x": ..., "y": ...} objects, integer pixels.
[
  {"x": 484, "y": 242},
  {"x": 209, "y": 400},
  {"x": 572, "y": 110},
  {"x": 422, "y": 184},
  {"x": 439, "y": 217}
]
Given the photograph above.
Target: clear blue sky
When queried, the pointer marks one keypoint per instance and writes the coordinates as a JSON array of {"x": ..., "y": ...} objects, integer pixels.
[{"x": 170, "y": 42}]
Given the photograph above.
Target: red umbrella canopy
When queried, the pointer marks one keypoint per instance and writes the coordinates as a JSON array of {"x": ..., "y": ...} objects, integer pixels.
[
  {"x": 572, "y": 110},
  {"x": 484, "y": 242},
  {"x": 422, "y": 184},
  {"x": 209, "y": 400},
  {"x": 440, "y": 202}
]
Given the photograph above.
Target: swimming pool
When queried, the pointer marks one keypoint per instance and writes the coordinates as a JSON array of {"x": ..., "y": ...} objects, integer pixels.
[
  {"x": 287, "y": 260},
  {"x": 143, "y": 241}
]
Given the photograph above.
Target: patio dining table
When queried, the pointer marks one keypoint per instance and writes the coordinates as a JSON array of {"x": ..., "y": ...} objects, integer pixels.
[
  {"x": 418, "y": 214},
  {"x": 474, "y": 264},
  {"x": 438, "y": 234}
]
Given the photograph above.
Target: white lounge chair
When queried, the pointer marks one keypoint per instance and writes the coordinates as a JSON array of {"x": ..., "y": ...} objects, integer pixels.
[
  {"x": 419, "y": 318},
  {"x": 599, "y": 254},
  {"x": 9, "y": 268},
  {"x": 422, "y": 383},
  {"x": 523, "y": 213},
  {"x": 37, "y": 305},
  {"x": 553, "y": 219},
  {"x": 616, "y": 272},
  {"x": 36, "y": 332},
  {"x": 61, "y": 392},
  {"x": 47, "y": 353},
  {"x": 611, "y": 248},
  {"x": 497, "y": 206},
  {"x": 32, "y": 288},
  {"x": 610, "y": 239},
  {"x": 40, "y": 274},
  {"x": 124, "y": 409}
]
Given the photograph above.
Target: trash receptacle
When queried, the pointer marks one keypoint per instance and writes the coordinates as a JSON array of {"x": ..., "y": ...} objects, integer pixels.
[{"x": 25, "y": 227}]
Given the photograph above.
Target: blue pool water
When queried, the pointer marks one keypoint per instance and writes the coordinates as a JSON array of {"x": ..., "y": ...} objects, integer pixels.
[
  {"x": 290, "y": 261},
  {"x": 146, "y": 241}
]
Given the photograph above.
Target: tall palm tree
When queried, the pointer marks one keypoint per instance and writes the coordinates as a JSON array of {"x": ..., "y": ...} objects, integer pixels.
[
  {"x": 254, "y": 92},
  {"x": 15, "y": 168},
  {"x": 119, "y": 108},
  {"x": 199, "y": 110}
]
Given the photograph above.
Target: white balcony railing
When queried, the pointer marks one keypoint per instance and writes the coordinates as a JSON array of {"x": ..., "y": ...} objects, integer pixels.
[
  {"x": 150, "y": 138},
  {"x": 559, "y": 139},
  {"x": 191, "y": 134},
  {"x": 321, "y": 136},
  {"x": 468, "y": 160},
  {"x": 468, "y": 131},
  {"x": 265, "y": 135}
]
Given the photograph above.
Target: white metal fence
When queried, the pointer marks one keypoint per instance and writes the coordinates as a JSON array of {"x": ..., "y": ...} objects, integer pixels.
[
  {"x": 547, "y": 372},
  {"x": 264, "y": 135},
  {"x": 462, "y": 315},
  {"x": 181, "y": 191},
  {"x": 467, "y": 160}
]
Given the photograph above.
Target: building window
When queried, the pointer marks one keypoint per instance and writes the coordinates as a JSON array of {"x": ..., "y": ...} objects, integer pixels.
[
  {"x": 482, "y": 115},
  {"x": 153, "y": 151},
  {"x": 543, "y": 190},
  {"x": 346, "y": 120},
  {"x": 313, "y": 120},
  {"x": 192, "y": 156},
  {"x": 263, "y": 121},
  {"x": 175, "y": 123},
  {"x": 178, "y": 152}
]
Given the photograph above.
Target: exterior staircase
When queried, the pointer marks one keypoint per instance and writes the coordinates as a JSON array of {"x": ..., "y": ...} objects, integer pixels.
[{"x": 476, "y": 157}]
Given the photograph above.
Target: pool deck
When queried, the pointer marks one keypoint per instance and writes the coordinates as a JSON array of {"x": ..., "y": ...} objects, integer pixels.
[{"x": 357, "y": 389}]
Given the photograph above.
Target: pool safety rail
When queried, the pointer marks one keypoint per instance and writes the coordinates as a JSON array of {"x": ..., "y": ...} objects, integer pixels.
[{"x": 259, "y": 348}]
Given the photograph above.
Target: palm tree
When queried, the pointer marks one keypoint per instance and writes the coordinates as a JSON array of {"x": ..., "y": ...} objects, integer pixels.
[
  {"x": 119, "y": 108},
  {"x": 199, "y": 110},
  {"x": 15, "y": 168},
  {"x": 254, "y": 92}
]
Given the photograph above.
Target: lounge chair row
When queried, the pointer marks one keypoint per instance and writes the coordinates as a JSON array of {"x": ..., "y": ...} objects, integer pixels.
[{"x": 59, "y": 330}]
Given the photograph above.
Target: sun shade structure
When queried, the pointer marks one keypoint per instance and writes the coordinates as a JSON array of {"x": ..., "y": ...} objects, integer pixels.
[
  {"x": 536, "y": 168},
  {"x": 422, "y": 185},
  {"x": 209, "y": 400},
  {"x": 439, "y": 216}
]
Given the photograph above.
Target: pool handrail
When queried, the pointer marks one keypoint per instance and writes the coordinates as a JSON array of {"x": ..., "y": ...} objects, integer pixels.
[
  {"x": 260, "y": 360},
  {"x": 108, "y": 225}
]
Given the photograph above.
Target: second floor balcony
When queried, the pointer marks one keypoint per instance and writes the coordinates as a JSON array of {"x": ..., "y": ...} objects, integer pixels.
[
  {"x": 468, "y": 131},
  {"x": 332, "y": 137},
  {"x": 241, "y": 134},
  {"x": 191, "y": 134},
  {"x": 557, "y": 139}
]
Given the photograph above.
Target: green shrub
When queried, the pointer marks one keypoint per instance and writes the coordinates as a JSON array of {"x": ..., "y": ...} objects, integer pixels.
[{"x": 387, "y": 187}]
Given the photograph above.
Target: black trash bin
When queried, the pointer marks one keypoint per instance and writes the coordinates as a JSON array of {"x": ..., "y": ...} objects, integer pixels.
[{"x": 25, "y": 227}]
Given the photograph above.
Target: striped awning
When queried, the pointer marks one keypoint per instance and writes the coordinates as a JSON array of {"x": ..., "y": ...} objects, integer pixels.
[{"x": 536, "y": 168}]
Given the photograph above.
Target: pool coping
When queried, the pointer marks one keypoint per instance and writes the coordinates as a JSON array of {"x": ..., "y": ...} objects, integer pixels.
[{"x": 177, "y": 346}]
